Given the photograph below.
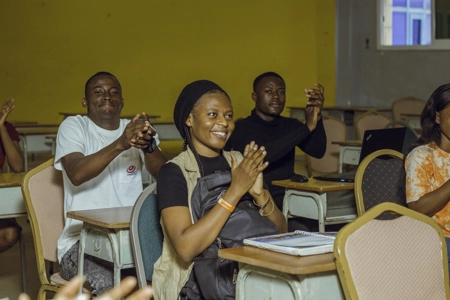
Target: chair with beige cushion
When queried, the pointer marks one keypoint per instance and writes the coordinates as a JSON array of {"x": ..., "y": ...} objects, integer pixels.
[
  {"x": 369, "y": 120},
  {"x": 43, "y": 192},
  {"x": 336, "y": 130},
  {"x": 401, "y": 258},
  {"x": 407, "y": 105}
]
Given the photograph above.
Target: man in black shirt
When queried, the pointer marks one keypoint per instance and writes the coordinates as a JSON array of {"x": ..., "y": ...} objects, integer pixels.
[{"x": 280, "y": 135}]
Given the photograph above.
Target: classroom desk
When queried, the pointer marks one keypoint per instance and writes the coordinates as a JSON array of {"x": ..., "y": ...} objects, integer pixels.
[
  {"x": 106, "y": 235},
  {"x": 18, "y": 123},
  {"x": 309, "y": 200},
  {"x": 11, "y": 200},
  {"x": 69, "y": 114},
  {"x": 347, "y": 114},
  {"x": 412, "y": 119},
  {"x": 52, "y": 138},
  {"x": 265, "y": 274},
  {"x": 349, "y": 152},
  {"x": 167, "y": 131},
  {"x": 34, "y": 125},
  {"x": 13, "y": 206},
  {"x": 34, "y": 140}
]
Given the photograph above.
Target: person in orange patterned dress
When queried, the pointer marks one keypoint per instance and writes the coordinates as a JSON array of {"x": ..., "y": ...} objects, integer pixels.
[{"x": 427, "y": 165}]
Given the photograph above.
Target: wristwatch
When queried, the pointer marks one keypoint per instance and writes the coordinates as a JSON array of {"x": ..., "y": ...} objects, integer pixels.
[{"x": 151, "y": 147}]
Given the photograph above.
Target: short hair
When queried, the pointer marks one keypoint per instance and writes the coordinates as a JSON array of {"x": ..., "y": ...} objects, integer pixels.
[
  {"x": 263, "y": 75},
  {"x": 95, "y": 75}
]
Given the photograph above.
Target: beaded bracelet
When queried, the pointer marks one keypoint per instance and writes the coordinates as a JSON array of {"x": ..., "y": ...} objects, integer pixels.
[
  {"x": 262, "y": 213},
  {"x": 262, "y": 206},
  {"x": 226, "y": 205}
]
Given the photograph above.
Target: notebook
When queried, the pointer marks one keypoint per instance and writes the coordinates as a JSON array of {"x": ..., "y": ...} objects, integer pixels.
[
  {"x": 295, "y": 243},
  {"x": 374, "y": 140}
]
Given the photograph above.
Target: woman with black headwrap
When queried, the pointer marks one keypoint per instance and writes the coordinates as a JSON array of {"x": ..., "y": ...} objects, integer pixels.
[{"x": 203, "y": 115}]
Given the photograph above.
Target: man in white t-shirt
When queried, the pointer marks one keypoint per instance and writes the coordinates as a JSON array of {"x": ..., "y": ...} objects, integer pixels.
[{"x": 101, "y": 157}]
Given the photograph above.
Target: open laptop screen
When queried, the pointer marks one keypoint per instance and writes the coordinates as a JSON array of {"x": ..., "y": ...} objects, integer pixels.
[
  {"x": 374, "y": 140},
  {"x": 377, "y": 139}
]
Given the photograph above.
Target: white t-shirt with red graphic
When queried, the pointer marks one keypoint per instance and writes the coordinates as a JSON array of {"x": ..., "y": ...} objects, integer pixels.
[{"x": 118, "y": 185}]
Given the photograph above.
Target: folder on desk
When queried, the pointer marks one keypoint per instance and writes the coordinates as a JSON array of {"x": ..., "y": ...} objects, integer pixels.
[
  {"x": 374, "y": 140},
  {"x": 300, "y": 242}
]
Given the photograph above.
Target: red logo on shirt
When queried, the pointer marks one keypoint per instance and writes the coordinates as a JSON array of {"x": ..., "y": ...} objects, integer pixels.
[{"x": 131, "y": 170}]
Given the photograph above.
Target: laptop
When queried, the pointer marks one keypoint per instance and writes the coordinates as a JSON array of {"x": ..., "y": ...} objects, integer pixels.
[{"x": 374, "y": 140}]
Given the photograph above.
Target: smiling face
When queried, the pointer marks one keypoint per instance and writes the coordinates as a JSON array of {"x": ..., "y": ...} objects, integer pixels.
[
  {"x": 104, "y": 101},
  {"x": 269, "y": 97},
  {"x": 443, "y": 119},
  {"x": 211, "y": 123}
]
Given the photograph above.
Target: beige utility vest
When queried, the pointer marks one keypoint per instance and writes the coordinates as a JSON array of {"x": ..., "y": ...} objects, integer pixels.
[{"x": 170, "y": 272}]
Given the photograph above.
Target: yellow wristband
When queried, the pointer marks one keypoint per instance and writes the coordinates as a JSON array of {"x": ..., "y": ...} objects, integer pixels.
[{"x": 226, "y": 205}]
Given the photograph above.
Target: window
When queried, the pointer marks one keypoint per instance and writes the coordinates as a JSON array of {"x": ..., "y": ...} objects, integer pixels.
[{"x": 414, "y": 24}]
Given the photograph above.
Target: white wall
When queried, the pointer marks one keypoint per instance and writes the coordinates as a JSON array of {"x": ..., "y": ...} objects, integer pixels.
[{"x": 370, "y": 77}]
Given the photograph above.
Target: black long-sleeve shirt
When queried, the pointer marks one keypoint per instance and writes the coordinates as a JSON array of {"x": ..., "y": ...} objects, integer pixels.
[{"x": 279, "y": 137}]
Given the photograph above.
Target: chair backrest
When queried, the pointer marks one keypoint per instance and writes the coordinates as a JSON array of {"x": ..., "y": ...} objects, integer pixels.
[
  {"x": 146, "y": 234},
  {"x": 43, "y": 192},
  {"x": 336, "y": 130},
  {"x": 379, "y": 179},
  {"x": 410, "y": 134},
  {"x": 407, "y": 105},
  {"x": 371, "y": 119},
  {"x": 401, "y": 258}
]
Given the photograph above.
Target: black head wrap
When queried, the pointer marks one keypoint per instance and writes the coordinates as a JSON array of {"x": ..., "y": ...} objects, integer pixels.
[{"x": 187, "y": 99}]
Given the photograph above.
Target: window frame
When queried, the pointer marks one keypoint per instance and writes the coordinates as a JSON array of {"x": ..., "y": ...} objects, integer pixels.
[{"x": 436, "y": 44}]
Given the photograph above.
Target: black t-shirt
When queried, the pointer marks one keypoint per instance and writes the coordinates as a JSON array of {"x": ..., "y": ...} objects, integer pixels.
[
  {"x": 279, "y": 137},
  {"x": 172, "y": 186}
]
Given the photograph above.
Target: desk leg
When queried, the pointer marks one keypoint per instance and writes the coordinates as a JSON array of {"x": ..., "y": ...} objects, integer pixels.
[
  {"x": 305, "y": 204},
  {"x": 341, "y": 158},
  {"x": 115, "y": 252},
  {"x": 81, "y": 248},
  {"x": 102, "y": 243},
  {"x": 349, "y": 155},
  {"x": 23, "y": 264},
  {"x": 23, "y": 138},
  {"x": 349, "y": 119},
  {"x": 259, "y": 283}
]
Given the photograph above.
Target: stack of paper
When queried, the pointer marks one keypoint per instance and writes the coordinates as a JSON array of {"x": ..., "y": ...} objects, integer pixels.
[{"x": 296, "y": 243}]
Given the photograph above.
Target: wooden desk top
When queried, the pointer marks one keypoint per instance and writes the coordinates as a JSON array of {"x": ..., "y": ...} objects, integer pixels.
[
  {"x": 38, "y": 131},
  {"x": 411, "y": 114},
  {"x": 315, "y": 185},
  {"x": 355, "y": 143},
  {"x": 113, "y": 218},
  {"x": 349, "y": 108},
  {"x": 279, "y": 261},
  {"x": 163, "y": 123},
  {"x": 24, "y": 123},
  {"x": 68, "y": 114},
  {"x": 31, "y": 125},
  {"x": 11, "y": 179}
]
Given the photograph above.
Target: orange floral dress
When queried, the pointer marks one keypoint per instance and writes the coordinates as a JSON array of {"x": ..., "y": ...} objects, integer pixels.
[{"x": 427, "y": 168}]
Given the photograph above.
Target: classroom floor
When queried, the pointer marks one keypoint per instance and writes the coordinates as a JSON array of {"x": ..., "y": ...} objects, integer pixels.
[{"x": 10, "y": 274}]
